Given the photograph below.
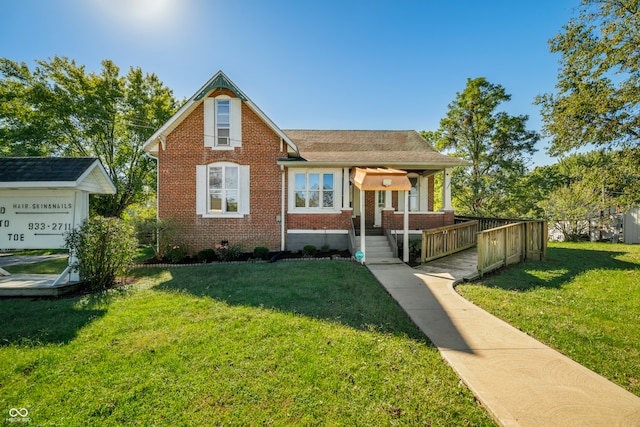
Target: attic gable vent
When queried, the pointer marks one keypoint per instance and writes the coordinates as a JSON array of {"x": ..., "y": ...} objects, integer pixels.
[{"x": 220, "y": 81}]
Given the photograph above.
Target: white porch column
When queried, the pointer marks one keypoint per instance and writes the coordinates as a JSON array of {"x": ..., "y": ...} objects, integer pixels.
[
  {"x": 446, "y": 190},
  {"x": 362, "y": 227},
  {"x": 345, "y": 188},
  {"x": 283, "y": 231},
  {"x": 405, "y": 228}
]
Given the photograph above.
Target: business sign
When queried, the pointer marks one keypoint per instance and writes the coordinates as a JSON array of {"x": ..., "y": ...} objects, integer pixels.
[{"x": 35, "y": 222}]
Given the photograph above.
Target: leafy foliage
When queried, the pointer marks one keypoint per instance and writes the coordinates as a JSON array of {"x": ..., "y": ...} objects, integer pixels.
[
  {"x": 309, "y": 250},
  {"x": 227, "y": 252},
  {"x": 175, "y": 253},
  {"x": 494, "y": 142},
  {"x": 261, "y": 252},
  {"x": 103, "y": 249},
  {"x": 206, "y": 255},
  {"x": 599, "y": 80},
  {"x": 168, "y": 233},
  {"x": 59, "y": 109}
]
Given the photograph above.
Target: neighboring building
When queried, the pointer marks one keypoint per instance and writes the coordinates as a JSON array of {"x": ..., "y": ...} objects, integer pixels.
[{"x": 226, "y": 172}]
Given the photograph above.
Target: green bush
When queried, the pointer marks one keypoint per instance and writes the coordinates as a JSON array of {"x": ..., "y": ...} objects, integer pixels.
[
  {"x": 415, "y": 245},
  {"x": 309, "y": 250},
  {"x": 103, "y": 249},
  {"x": 168, "y": 232},
  {"x": 325, "y": 248},
  {"x": 206, "y": 255},
  {"x": 175, "y": 253},
  {"x": 261, "y": 252},
  {"x": 228, "y": 252}
]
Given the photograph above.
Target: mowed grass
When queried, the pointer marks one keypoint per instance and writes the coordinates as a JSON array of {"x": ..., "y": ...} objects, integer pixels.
[
  {"x": 289, "y": 343},
  {"x": 584, "y": 301}
]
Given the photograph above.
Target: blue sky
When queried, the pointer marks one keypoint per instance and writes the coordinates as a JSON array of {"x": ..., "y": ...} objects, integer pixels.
[{"x": 330, "y": 64}]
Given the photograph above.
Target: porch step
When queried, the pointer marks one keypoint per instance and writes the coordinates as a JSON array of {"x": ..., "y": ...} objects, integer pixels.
[
  {"x": 377, "y": 231},
  {"x": 376, "y": 247}
]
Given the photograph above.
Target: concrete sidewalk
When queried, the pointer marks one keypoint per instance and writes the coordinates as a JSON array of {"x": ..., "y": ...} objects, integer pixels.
[{"x": 520, "y": 381}]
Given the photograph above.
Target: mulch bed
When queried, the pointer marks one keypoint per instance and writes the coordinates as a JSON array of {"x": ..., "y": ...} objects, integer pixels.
[{"x": 249, "y": 257}]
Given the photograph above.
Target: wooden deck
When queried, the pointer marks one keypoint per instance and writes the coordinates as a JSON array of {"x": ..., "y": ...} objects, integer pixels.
[{"x": 34, "y": 285}]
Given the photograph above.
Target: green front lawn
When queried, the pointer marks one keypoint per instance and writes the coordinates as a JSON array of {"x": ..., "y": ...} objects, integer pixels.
[
  {"x": 584, "y": 300},
  {"x": 289, "y": 343}
]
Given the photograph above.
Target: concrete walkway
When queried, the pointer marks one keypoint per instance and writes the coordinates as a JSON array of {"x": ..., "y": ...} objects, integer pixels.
[{"x": 519, "y": 380}]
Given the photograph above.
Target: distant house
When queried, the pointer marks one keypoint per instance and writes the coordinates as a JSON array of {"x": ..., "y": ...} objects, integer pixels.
[
  {"x": 610, "y": 225},
  {"x": 226, "y": 172}
]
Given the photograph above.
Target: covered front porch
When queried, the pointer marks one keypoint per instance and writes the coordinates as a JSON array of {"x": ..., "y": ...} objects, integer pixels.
[{"x": 395, "y": 204}]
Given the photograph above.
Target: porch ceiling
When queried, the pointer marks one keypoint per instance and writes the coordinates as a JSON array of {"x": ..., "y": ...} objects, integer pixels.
[{"x": 380, "y": 179}]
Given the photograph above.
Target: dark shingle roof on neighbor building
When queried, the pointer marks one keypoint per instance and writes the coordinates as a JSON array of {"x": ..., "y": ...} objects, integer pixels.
[
  {"x": 39, "y": 169},
  {"x": 368, "y": 147},
  {"x": 78, "y": 173}
]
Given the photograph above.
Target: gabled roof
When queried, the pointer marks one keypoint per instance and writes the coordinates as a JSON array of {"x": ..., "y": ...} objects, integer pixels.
[
  {"x": 218, "y": 81},
  {"x": 79, "y": 173},
  {"x": 404, "y": 149}
]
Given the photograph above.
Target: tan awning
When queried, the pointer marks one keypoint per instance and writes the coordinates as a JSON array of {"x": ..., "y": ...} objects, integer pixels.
[{"x": 380, "y": 179}]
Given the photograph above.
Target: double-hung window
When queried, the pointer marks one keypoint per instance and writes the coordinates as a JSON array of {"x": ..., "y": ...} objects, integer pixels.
[
  {"x": 223, "y": 122},
  {"x": 223, "y": 189},
  {"x": 314, "y": 190}
]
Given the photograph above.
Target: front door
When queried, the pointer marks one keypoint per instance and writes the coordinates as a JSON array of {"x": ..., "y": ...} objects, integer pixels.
[{"x": 380, "y": 205}]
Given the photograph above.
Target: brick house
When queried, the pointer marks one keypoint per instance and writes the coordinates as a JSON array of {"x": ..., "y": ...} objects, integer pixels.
[{"x": 226, "y": 172}]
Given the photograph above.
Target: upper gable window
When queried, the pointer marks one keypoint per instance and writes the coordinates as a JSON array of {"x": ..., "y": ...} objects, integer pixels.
[{"x": 222, "y": 122}]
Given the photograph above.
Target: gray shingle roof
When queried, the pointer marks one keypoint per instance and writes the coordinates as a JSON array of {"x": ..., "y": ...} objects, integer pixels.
[
  {"x": 373, "y": 147},
  {"x": 42, "y": 169}
]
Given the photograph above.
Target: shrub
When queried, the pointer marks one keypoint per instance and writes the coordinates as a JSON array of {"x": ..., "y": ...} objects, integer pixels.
[
  {"x": 206, "y": 255},
  {"x": 228, "y": 252},
  {"x": 168, "y": 231},
  {"x": 102, "y": 250},
  {"x": 261, "y": 252},
  {"x": 309, "y": 250},
  {"x": 415, "y": 245},
  {"x": 325, "y": 248},
  {"x": 175, "y": 253}
]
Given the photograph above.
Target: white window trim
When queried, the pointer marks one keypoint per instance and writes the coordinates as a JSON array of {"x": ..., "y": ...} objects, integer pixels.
[
  {"x": 337, "y": 191},
  {"x": 423, "y": 195},
  {"x": 235, "y": 123},
  {"x": 202, "y": 191}
]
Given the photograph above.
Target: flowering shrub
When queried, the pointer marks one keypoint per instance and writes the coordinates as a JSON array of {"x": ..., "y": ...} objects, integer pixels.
[
  {"x": 175, "y": 253},
  {"x": 228, "y": 252}
]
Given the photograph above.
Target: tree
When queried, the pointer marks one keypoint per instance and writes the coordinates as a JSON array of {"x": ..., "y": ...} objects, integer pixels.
[
  {"x": 59, "y": 109},
  {"x": 570, "y": 207},
  {"x": 494, "y": 142},
  {"x": 597, "y": 98}
]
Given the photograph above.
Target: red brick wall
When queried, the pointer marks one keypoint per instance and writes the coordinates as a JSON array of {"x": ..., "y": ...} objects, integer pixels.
[
  {"x": 339, "y": 221},
  {"x": 177, "y": 183},
  {"x": 417, "y": 221}
]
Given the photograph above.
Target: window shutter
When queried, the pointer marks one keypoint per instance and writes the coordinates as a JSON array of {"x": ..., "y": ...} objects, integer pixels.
[
  {"x": 201, "y": 190},
  {"x": 245, "y": 187},
  {"x": 236, "y": 122},
  {"x": 209, "y": 122}
]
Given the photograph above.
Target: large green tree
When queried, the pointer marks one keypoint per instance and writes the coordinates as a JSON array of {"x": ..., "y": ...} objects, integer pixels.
[
  {"x": 495, "y": 143},
  {"x": 597, "y": 100},
  {"x": 60, "y": 109}
]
